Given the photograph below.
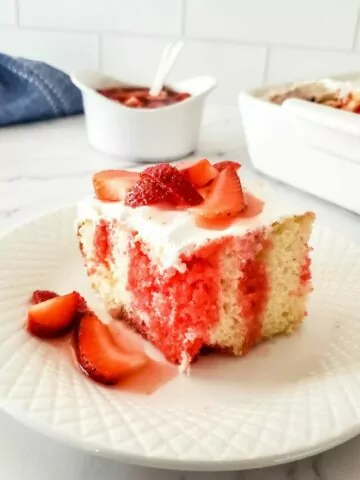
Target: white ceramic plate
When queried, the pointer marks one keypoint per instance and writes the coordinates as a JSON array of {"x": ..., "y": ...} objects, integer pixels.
[{"x": 289, "y": 398}]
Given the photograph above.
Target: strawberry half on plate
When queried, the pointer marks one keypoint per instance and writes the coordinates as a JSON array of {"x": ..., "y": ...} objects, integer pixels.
[
  {"x": 40, "y": 296},
  {"x": 100, "y": 356},
  {"x": 53, "y": 317}
]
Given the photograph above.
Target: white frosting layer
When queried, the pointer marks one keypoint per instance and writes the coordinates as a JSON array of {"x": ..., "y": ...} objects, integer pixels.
[{"x": 168, "y": 234}]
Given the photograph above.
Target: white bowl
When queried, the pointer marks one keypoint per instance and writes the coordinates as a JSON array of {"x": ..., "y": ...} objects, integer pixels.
[
  {"x": 160, "y": 134},
  {"x": 312, "y": 147}
]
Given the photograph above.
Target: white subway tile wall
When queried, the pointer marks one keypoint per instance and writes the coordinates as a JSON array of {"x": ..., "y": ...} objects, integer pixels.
[
  {"x": 242, "y": 43},
  {"x": 132, "y": 59},
  {"x": 7, "y": 12},
  {"x": 312, "y": 23},
  {"x": 308, "y": 64}
]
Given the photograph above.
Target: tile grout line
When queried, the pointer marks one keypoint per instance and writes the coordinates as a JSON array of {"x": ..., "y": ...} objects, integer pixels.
[
  {"x": 357, "y": 24},
  {"x": 267, "y": 63},
  {"x": 99, "y": 45},
  {"x": 244, "y": 43},
  {"x": 17, "y": 15},
  {"x": 183, "y": 17}
]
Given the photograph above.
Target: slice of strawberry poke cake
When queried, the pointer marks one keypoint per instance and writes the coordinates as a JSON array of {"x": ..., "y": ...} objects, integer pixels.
[{"x": 194, "y": 260}]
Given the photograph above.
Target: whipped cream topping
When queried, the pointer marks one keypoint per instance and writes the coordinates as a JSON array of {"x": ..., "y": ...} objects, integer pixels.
[{"x": 171, "y": 233}]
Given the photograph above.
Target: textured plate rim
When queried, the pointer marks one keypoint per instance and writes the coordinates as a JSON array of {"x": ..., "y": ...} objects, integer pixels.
[{"x": 43, "y": 428}]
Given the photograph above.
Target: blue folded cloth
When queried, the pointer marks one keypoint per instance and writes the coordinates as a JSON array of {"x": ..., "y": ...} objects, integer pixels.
[{"x": 32, "y": 91}]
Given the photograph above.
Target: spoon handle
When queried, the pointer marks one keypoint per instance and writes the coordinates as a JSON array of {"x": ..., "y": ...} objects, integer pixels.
[{"x": 168, "y": 59}]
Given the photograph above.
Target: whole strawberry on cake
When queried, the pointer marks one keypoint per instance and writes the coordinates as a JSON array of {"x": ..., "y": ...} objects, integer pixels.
[{"x": 193, "y": 259}]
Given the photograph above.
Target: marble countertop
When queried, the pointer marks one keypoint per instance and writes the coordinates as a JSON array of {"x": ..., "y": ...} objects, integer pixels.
[{"x": 48, "y": 165}]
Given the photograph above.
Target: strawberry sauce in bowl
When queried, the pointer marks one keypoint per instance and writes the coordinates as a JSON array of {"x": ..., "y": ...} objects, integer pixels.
[{"x": 141, "y": 98}]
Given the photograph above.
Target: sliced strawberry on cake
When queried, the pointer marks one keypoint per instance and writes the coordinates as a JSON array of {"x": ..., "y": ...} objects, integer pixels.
[
  {"x": 162, "y": 184},
  {"x": 198, "y": 172},
  {"x": 226, "y": 164},
  {"x": 113, "y": 185},
  {"x": 225, "y": 197},
  {"x": 223, "y": 201}
]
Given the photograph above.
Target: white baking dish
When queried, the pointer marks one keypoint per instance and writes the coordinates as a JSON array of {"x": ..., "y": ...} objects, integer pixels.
[
  {"x": 150, "y": 135},
  {"x": 312, "y": 147}
]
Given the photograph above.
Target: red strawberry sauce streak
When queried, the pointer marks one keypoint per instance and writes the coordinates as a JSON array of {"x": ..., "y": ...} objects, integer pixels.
[
  {"x": 305, "y": 270},
  {"x": 180, "y": 307},
  {"x": 102, "y": 242},
  {"x": 253, "y": 284}
]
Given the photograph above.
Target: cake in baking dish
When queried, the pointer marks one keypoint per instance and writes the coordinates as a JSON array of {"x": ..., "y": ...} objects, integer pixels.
[{"x": 194, "y": 260}]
